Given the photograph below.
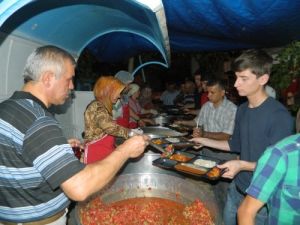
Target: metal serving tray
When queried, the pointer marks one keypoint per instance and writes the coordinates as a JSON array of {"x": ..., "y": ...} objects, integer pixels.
[
  {"x": 189, "y": 168},
  {"x": 159, "y": 131}
]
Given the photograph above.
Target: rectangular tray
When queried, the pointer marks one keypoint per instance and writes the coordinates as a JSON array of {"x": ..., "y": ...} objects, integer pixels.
[
  {"x": 180, "y": 156},
  {"x": 163, "y": 142},
  {"x": 164, "y": 163},
  {"x": 188, "y": 167},
  {"x": 168, "y": 140}
]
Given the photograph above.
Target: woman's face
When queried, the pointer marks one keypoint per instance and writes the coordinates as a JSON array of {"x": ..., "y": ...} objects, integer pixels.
[
  {"x": 136, "y": 94},
  {"x": 115, "y": 97}
]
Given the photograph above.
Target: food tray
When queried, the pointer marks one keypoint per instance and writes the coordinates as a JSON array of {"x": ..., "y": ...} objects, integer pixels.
[
  {"x": 177, "y": 142},
  {"x": 181, "y": 128},
  {"x": 190, "y": 164}
]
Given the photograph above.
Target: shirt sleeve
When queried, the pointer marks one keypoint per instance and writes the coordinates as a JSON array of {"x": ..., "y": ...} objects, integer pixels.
[
  {"x": 200, "y": 119},
  {"x": 268, "y": 174},
  {"x": 108, "y": 125}
]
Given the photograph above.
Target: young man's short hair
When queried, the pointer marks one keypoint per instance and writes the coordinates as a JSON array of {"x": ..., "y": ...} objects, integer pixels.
[{"x": 258, "y": 61}]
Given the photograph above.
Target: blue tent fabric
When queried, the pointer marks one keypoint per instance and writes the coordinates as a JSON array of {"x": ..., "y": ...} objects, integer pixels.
[
  {"x": 226, "y": 25},
  {"x": 217, "y": 25},
  {"x": 74, "y": 24}
]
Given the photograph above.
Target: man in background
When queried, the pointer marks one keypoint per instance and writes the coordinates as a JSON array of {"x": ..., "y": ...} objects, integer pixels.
[
  {"x": 215, "y": 120},
  {"x": 170, "y": 94}
]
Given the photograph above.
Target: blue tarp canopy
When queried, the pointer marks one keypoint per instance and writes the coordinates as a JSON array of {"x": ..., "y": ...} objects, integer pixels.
[
  {"x": 119, "y": 29},
  {"x": 217, "y": 25}
]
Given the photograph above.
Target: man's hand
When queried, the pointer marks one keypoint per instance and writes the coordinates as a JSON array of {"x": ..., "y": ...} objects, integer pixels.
[
  {"x": 178, "y": 122},
  {"x": 232, "y": 168},
  {"x": 235, "y": 166},
  {"x": 141, "y": 123},
  {"x": 197, "y": 132},
  {"x": 74, "y": 142},
  {"x": 198, "y": 142},
  {"x": 135, "y": 145}
]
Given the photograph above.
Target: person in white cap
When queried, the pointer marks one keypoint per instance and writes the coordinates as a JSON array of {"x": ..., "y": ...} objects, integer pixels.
[
  {"x": 121, "y": 108},
  {"x": 137, "y": 113}
]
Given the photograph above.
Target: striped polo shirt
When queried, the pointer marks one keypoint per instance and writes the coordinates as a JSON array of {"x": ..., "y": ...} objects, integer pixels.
[{"x": 35, "y": 158}]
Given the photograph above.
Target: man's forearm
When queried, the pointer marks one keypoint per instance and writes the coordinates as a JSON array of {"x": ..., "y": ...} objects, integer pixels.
[
  {"x": 246, "y": 219},
  {"x": 216, "y": 135},
  {"x": 247, "y": 166},
  {"x": 218, "y": 144},
  {"x": 94, "y": 176},
  {"x": 190, "y": 123},
  {"x": 248, "y": 210}
]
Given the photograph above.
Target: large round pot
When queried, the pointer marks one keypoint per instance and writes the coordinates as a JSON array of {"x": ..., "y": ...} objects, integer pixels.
[{"x": 157, "y": 185}]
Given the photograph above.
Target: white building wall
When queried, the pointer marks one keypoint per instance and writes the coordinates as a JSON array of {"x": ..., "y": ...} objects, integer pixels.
[
  {"x": 14, "y": 52},
  {"x": 70, "y": 115}
]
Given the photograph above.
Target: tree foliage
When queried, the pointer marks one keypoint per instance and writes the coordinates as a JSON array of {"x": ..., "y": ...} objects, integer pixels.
[{"x": 287, "y": 66}]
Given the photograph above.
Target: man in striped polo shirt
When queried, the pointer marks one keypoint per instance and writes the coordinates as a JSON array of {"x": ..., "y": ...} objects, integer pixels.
[{"x": 39, "y": 173}]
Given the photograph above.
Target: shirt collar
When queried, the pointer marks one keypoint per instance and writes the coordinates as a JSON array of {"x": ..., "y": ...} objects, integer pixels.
[{"x": 27, "y": 95}]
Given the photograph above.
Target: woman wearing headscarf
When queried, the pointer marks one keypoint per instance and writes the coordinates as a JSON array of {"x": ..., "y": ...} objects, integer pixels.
[
  {"x": 136, "y": 111},
  {"x": 100, "y": 128}
]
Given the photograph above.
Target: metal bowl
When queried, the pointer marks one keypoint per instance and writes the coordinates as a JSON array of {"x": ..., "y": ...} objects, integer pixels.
[{"x": 157, "y": 185}]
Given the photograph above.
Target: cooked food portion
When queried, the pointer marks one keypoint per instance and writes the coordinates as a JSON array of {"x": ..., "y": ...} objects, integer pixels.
[
  {"x": 150, "y": 211},
  {"x": 205, "y": 163},
  {"x": 169, "y": 150},
  {"x": 157, "y": 141},
  {"x": 214, "y": 173},
  {"x": 180, "y": 157},
  {"x": 173, "y": 140},
  {"x": 190, "y": 168}
]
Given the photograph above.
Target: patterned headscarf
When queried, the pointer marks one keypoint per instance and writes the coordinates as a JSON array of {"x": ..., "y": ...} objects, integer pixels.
[{"x": 107, "y": 87}]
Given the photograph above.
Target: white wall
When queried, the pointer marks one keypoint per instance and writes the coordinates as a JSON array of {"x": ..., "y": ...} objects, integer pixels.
[
  {"x": 71, "y": 119},
  {"x": 14, "y": 52}
]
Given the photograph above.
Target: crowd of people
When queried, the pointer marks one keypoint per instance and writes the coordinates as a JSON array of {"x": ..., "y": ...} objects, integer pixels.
[
  {"x": 260, "y": 122},
  {"x": 40, "y": 174}
]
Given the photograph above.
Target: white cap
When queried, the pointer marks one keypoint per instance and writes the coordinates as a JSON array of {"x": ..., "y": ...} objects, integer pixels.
[
  {"x": 124, "y": 76},
  {"x": 133, "y": 88}
]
